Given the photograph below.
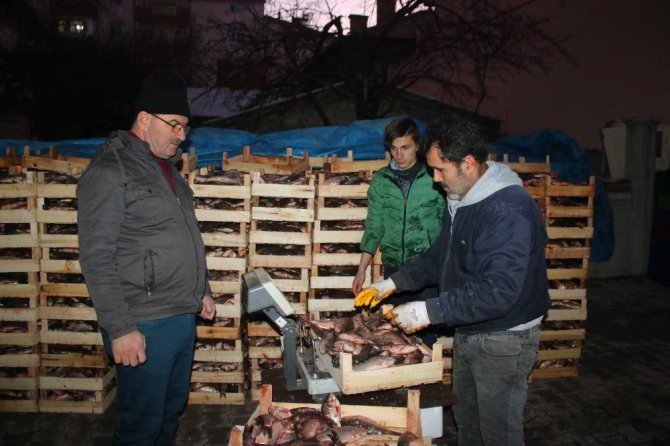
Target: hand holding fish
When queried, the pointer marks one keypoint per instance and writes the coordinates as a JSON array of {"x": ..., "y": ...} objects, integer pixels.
[
  {"x": 410, "y": 317},
  {"x": 375, "y": 294}
]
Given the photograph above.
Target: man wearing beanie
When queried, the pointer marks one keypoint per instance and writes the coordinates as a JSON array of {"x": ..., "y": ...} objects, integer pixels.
[{"x": 143, "y": 259}]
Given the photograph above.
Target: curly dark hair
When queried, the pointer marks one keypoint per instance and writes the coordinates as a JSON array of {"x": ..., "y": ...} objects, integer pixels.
[
  {"x": 456, "y": 137},
  {"x": 399, "y": 127}
]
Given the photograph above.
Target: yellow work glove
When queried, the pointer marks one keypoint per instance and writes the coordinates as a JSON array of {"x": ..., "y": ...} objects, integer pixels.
[
  {"x": 410, "y": 317},
  {"x": 376, "y": 293}
]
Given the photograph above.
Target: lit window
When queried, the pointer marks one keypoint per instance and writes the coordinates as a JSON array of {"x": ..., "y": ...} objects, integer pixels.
[{"x": 77, "y": 27}]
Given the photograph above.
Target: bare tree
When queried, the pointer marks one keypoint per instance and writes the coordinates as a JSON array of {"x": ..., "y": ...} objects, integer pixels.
[{"x": 458, "y": 46}]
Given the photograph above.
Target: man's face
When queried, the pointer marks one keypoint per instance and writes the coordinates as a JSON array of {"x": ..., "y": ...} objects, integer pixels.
[
  {"x": 403, "y": 151},
  {"x": 163, "y": 142},
  {"x": 451, "y": 178}
]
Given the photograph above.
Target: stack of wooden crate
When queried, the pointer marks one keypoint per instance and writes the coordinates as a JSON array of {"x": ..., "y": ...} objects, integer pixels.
[
  {"x": 19, "y": 293},
  {"x": 341, "y": 209},
  {"x": 568, "y": 212},
  {"x": 75, "y": 374},
  {"x": 569, "y": 219},
  {"x": 223, "y": 211},
  {"x": 280, "y": 240}
]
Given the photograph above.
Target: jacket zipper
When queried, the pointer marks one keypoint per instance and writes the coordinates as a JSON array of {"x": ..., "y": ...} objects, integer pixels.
[
  {"x": 190, "y": 230},
  {"x": 404, "y": 217},
  {"x": 194, "y": 244}
]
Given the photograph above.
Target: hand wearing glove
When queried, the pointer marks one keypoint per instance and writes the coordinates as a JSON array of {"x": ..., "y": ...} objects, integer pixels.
[
  {"x": 376, "y": 293},
  {"x": 410, "y": 317}
]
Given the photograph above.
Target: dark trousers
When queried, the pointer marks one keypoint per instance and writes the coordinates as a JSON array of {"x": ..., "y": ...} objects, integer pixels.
[{"x": 152, "y": 396}]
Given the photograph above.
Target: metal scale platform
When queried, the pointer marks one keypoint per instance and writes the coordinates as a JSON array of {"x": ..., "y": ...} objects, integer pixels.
[{"x": 302, "y": 367}]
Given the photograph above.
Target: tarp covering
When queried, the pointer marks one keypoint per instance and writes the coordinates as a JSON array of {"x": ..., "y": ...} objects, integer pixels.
[{"x": 365, "y": 140}]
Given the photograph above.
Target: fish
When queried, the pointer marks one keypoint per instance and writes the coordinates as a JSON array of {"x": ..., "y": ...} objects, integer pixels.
[
  {"x": 331, "y": 409},
  {"x": 375, "y": 363},
  {"x": 371, "y": 426}
]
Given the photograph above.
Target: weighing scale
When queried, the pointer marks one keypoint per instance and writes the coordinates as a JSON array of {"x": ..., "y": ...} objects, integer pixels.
[{"x": 259, "y": 293}]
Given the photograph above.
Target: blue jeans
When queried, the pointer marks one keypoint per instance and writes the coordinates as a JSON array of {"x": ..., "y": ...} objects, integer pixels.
[
  {"x": 152, "y": 396},
  {"x": 490, "y": 373}
]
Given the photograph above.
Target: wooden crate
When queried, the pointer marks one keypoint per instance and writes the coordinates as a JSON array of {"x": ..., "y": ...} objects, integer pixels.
[
  {"x": 569, "y": 205},
  {"x": 57, "y": 225},
  {"x": 223, "y": 211},
  {"x": 218, "y": 375},
  {"x": 92, "y": 390},
  {"x": 52, "y": 161},
  {"x": 560, "y": 349},
  {"x": 248, "y": 162},
  {"x": 11, "y": 163},
  {"x": 69, "y": 320},
  {"x": 263, "y": 351},
  {"x": 402, "y": 419},
  {"x": 218, "y": 372},
  {"x": 19, "y": 382},
  {"x": 189, "y": 162},
  {"x": 343, "y": 165},
  {"x": 351, "y": 382}
]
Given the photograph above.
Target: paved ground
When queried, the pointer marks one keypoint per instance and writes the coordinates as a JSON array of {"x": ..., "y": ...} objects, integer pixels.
[{"x": 621, "y": 396}]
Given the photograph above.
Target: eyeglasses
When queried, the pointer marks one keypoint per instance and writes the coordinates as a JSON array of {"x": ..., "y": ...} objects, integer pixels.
[{"x": 176, "y": 127}]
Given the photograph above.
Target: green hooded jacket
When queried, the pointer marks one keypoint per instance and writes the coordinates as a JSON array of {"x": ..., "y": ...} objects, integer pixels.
[{"x": 402, "y": 229}]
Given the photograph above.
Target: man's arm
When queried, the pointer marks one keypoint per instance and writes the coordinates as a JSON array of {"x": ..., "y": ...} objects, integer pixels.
[{"x": 100, "y": 213}]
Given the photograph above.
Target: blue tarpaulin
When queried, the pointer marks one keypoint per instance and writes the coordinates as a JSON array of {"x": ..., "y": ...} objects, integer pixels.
[{"x": 365, "y": 140}]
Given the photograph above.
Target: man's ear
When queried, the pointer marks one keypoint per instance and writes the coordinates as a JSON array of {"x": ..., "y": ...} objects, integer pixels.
[
  {"x": 143, "y": 119},
  {"x": 470, "y": 163}
]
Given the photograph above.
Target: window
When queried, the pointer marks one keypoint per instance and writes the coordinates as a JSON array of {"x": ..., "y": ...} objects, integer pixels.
[
  {"x": 116, "y": 30},
  {"x": 71, "y": 27},
  {"x": 239, "y": 32},
  {"x": 77, "y": 27}
]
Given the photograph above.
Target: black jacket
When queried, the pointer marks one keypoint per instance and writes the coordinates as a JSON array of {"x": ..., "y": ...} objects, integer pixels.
[{"x": 488, "y": 261}]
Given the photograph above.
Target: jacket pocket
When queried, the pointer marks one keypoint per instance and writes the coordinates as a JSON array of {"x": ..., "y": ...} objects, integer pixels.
[
  {"x": 145, "y": 202},
  {"x": 149, "y": 272}
]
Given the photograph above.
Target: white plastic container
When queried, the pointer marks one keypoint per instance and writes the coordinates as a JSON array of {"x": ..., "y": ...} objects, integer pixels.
[{"x": 431, "y": 422}]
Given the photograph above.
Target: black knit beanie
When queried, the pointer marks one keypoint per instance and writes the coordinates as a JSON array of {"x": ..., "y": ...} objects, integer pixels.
[{"x": 163, "y": 92}]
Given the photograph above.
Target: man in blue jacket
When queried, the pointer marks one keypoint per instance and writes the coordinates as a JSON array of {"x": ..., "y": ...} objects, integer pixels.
[
  {"x": 143, "y": 259},
  {"x": 491, "y": 273}
]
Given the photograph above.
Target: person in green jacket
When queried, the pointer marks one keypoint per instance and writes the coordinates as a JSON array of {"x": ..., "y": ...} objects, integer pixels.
[{"x": 404, "y": 209}]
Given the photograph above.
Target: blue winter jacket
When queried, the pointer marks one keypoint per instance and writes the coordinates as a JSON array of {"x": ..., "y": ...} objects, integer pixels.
[{"x": 488, "y": 261}]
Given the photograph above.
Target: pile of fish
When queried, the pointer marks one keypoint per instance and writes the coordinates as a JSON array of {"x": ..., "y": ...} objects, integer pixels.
[
  {"x": 373, "y": 342},
  {"x": 309, "y": 425}
]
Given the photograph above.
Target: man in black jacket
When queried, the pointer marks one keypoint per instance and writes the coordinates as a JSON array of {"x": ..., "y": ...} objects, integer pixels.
[
  {"x": 143, "y": 259},
  {"x": 490, "y": 268}
]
